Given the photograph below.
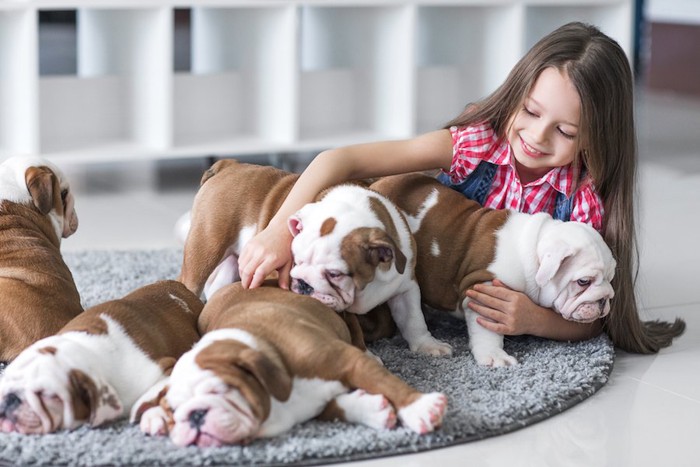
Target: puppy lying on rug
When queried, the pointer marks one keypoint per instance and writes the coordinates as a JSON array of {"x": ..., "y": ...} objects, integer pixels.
[
  {"x": 37, "y": 289},
  {"x": 101, "y": 362},
  {"x": 352, "y": 249},
  {"x": 566, "y": 266},
  {"x": 270, "y": 359}
]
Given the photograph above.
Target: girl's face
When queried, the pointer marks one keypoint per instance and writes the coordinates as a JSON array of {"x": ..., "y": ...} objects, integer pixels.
[{"x": 543, "y": 133}]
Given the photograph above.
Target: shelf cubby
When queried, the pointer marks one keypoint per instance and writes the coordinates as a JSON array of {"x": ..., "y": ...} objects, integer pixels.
[
  {"x": 355, "y": 73},
  {"x": 459, "y": 59},
  {"x": 240, "y": 91}
]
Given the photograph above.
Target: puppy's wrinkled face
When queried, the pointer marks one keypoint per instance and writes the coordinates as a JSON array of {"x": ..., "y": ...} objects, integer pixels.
[
  {"x": 219, "y": 392},
  {"x": 35, "y": 180},
  {"x": 575, "y": 272},
  {"x": 338, "y": 250},
  {"x": 42, "y": 392}
]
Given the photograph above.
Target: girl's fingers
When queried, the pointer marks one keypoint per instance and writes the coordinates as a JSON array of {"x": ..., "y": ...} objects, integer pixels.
[
  {"x": 498, "y": 283},
  {"x": 492, "y": 326},
  {"x": 484, "y": 298},
  {"x": 248, "y": 271},
  {"x": 283, "y": 280},
  {"x": 499, "y": 292},
  {"x": 485, "y": 311},
  {"x": 261, "y": 272}
]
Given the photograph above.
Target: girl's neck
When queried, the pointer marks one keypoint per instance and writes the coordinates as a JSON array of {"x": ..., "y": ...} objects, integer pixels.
[{"x": 528, "y": 175}]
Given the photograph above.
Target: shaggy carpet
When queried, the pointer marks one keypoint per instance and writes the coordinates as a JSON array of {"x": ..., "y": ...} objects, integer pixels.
[{"x": 483, "y": 402}]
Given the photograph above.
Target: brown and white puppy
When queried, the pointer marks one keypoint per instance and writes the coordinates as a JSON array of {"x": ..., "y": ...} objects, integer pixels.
[
  {"x": 566, "y": 266},
  {"x": 37, "y": 288},
  {"x": 97, "y": 367},
  {"x": 352, "y": 248},
  {"x": 270, "y": 359}
]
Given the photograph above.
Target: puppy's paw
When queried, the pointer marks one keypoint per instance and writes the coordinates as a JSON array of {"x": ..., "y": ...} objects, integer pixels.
[
  {"x": 425, "y": 414},
  {"x": 372, "y": 410},
  {"x": 494, "y": 357},
  {"x": 432, "y": 346},
  {"x": 154, "y": 422}
]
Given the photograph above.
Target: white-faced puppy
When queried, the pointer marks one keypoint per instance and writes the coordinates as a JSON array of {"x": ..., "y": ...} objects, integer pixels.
[
  {"x": 37, "y": 288},
  {"x": 270, "y": 359},
  {"x": 352, "y": 248},
  {"x": 566, "y": 266},
  {"x": 101, "y": 363}
]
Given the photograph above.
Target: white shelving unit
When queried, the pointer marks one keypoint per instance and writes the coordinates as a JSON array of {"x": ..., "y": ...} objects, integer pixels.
[{"x": 267, "y": 76}]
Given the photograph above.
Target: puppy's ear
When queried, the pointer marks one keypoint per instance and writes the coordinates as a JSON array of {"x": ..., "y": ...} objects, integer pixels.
[
  {"x": 294, "y": 224},
  {"x": 151, "y": 399},
  {"x": 274, "y": 378},
  {"x": 92, "y": 402},
  {"x": 381, "y": 248},
  {"x": 40, "y": 183},
  {"x": 551, "y": 257}
]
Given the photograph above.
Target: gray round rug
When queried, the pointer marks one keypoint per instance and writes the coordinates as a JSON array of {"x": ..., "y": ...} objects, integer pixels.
[{"x": 483, "y": 402}]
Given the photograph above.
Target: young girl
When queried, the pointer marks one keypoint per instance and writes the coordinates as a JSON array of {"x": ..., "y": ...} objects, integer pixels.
[{"x": 558, "y": 137}]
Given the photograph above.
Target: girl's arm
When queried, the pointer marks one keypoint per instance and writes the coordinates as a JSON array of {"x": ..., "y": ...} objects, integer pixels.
[
  {"x": 270, "y": 249},
  {"x": 508, "y": 312}
]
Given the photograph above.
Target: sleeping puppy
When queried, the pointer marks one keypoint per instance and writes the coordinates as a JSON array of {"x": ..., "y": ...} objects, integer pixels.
[
  {"x": 352, "y": 248},
  {"x": 270, "y": 359},
  {"x": 97, "y": 367},
  {"x": 566, "y": 266},
  {"x": 37, "y": 289}
]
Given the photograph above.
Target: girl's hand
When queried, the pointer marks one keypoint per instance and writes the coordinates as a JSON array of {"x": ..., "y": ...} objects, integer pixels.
[
  {"x": 270, "y": 250},
  {"x": 504, "y": 310},
  {"x": 512, "y": 313}
]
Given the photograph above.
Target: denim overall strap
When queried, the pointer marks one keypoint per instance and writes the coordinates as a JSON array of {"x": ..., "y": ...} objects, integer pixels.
[
  {"x": 563, "y": 207},
  {"x": 477, "y": 185}
]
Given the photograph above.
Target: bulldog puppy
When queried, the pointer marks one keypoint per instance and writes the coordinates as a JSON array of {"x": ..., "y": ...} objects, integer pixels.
[
  {"x": 37, "y": 289},
  {"x": 270, "y": 359},
  {"x": 566, "y": 266},
  {"x": 352, "y": 248},
  {"x": 97, "y": 367},
  {"x": 234, "y": 202}
]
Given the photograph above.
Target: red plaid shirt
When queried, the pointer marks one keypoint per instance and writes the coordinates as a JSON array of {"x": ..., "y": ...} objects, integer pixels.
[{"x": 475, "y": 144}]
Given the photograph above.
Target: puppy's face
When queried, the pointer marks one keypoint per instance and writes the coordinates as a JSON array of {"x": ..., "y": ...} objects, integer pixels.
[
  {"x": 34, "y": 180},
  {"x": 219, "y": 392},
  {"x": 575, "y": 272},
  {"x": 338, "y": 250},
  {"x": 42, "y": 391}
]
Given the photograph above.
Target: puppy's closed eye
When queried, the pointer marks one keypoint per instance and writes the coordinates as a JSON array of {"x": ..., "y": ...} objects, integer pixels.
[{"x": 584, "y": 282}]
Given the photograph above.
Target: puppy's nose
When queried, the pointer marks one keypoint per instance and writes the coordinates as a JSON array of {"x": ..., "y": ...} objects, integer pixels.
[
  {"x": 197, "y": 417},
  {"x": 304, "y": 288},
  {"x": 10, "y": 404}
]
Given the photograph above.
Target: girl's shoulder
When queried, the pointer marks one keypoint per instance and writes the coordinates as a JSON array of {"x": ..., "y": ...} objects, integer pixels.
[
  {"x": 477, "y": 143},
  {"x": 480, "y": 135}
]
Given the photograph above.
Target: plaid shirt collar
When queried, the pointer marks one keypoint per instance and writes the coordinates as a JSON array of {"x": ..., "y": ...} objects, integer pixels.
[{"x": 559, "y": 178}]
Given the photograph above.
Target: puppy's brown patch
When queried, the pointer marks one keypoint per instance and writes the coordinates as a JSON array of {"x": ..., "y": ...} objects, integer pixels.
[
  {"x": 385, "y": 218},
  {"x": 383, "y": 215},
  {"x": 328, "y": 226},
  {"x": 84, "y": 395}
]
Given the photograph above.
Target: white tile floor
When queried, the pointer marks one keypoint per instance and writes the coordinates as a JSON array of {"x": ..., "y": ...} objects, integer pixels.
[{"x": 649, "y": 412}]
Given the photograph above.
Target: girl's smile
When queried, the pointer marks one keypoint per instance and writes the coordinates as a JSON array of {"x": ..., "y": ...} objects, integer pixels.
[
  {"x": 530, "y": 151},
  {"x": 543, "y": 133}
]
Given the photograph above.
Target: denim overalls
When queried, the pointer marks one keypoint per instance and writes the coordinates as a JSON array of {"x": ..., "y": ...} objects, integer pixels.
[{"x": 478, "y": 184}]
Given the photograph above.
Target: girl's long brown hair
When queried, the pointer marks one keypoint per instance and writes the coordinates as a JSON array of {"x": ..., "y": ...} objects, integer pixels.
[{"x": 600, "y": 71}]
